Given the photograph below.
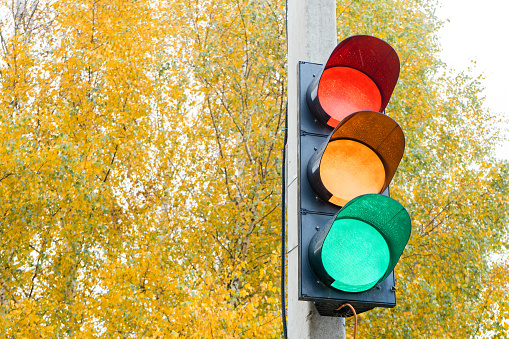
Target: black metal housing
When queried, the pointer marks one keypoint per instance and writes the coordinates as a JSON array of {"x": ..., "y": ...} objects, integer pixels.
[{"x": 316, "y": 214}]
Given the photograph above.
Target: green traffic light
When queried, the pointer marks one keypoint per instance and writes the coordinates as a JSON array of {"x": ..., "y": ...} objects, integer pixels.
[
  {"x": 362, "y": 245},
  {"x": 355, "y": 255}
]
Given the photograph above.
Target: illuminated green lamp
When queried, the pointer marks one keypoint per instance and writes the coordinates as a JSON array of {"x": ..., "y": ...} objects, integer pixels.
[{"x": 363, "y": 244}]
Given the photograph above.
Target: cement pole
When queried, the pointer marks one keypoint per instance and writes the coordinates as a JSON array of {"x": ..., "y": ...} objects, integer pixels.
[{"x": 311, "y": 38}]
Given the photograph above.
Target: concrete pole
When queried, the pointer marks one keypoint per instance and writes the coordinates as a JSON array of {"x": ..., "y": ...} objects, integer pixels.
[{"x": 311, "y": 38}]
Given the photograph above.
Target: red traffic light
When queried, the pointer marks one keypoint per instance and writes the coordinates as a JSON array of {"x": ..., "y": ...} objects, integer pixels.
[{"x": 360, "y": 75}]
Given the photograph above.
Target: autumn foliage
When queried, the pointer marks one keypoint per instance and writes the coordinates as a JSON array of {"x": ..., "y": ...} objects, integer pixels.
[{"x": 140, "y": 171}]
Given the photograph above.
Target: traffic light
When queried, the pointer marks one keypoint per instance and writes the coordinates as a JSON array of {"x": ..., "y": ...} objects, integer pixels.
[
  {"x": 351, "y": 233},
  {"x": 362, "y": 245}
]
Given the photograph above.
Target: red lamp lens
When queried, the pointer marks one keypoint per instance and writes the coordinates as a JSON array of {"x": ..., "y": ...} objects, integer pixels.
[{"x": 345, "y": 90}]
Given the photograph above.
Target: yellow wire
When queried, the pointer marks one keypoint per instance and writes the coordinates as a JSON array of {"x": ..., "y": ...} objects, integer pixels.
[{"x": 355, "y": 316}]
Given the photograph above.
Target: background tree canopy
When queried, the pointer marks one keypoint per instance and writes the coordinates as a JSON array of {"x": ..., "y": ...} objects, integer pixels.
[{"x": 140, "y": 171}]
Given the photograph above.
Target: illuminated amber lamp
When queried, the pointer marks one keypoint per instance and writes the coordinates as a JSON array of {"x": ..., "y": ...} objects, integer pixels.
[
  {"x": 360, "y": 157},
  {"x": 360, "y": 75}
]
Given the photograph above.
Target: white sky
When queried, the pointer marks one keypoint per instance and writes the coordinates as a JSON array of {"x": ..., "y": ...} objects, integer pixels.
[{"x": 479, "y": 31}]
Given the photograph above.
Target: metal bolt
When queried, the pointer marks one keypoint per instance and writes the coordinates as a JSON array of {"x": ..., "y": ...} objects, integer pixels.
[
  {"x": 315, "y": 148},
  {"x": 317, "y": 228},
  {"x": 378, "y": 287},
  {"x": 393, "y": 288},
  {"x": 314, "y": 75}
]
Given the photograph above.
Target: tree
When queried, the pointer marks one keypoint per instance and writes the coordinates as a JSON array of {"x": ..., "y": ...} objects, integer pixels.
[{"x": 131, "y": 205}]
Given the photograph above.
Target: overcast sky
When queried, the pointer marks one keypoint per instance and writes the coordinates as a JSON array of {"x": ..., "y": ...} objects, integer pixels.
[{"x": 479, "y": 30}]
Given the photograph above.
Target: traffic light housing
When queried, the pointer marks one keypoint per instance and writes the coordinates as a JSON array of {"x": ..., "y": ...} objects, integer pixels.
[{"x": 349, "y": 151}]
